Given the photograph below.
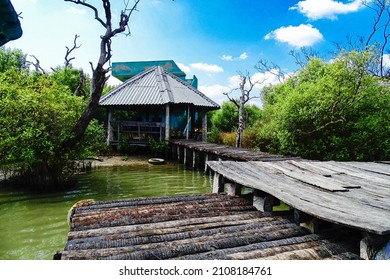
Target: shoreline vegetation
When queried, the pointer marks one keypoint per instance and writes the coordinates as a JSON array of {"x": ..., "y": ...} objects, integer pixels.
[{"x": 86, "y": 165}]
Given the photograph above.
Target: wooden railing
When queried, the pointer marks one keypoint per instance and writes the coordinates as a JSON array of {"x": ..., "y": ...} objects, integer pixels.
[{"x": 137, "y": 132}]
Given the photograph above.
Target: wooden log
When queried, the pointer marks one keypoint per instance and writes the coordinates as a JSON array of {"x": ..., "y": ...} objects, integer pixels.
[
  {"x": 187, "y": 246},
  {"x": 171, "y": 224},
  {"x": 158, "y": 212},
  {"x": 312, "y": 251},
  {"x": 247, "y": 251},
  {"x": 109, "y": 205},
  {"x": 169, "y": 235}
]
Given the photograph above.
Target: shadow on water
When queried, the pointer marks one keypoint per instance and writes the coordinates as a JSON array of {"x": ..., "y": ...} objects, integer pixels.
[{"x": 34, "y": 227}]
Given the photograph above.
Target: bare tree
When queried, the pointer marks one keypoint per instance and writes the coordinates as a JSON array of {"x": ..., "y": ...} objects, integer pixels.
[
  {"x": 246, "y": 86},
  {"x": 381, "y": 9},
  {"x": 37, "y": 65},
  {"x": 264, "y": 66},
  {"x": 99, "y": 72},
  {"x": 70, "y": 50}
]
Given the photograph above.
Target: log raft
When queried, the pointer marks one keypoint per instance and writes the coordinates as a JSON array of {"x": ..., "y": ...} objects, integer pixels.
[{"x": 211, "y": 226}]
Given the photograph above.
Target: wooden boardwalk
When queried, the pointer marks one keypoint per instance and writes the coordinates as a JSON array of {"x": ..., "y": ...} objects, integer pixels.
[
  {"x": 224, "y": 152},
  {"x": 352, "y": 194},
  {"x": 341, "y": 210},
  {"x": 195, "y": 227}
]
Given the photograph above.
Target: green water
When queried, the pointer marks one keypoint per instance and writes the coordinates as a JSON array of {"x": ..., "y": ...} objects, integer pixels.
[{"x": 34, "y": 227}]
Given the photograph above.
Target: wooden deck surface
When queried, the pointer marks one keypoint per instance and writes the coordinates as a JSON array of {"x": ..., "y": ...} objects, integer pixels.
[
  {"x": 354, "y": 194},
  {"x": 195, "y": 227},
  {"x": 227, "y": 152}
]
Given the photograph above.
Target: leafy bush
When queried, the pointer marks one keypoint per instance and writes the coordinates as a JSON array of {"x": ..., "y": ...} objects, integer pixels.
[
  {"x": 335, "y": 110},
  {"x": 37, "y": 116},
  {"x": 157, "y": 147}
]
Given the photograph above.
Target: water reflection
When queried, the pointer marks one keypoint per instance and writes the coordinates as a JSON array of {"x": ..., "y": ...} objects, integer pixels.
[{"x": 34, "y": 226}]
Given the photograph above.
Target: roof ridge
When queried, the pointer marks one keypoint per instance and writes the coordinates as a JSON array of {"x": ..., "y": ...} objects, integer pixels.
[
  {"x": 165, "y": 88},
  {"x": 190, "y": 87}
]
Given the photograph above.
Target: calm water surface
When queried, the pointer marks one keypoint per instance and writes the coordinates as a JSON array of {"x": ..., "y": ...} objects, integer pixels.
[{"x": 34, "y": 227}]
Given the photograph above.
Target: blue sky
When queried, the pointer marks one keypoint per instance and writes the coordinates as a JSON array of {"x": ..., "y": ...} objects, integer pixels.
[{"x": 212, "y": 39}]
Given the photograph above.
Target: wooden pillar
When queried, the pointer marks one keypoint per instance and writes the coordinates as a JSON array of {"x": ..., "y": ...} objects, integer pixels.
[
  {"x": 201, "y": 161},
  {"x": 188, "y": 161},
  {"x": 263, "y": 201},
  {"x": 218, "y": 186},
  {"x": 195, "y": 159},
  {"x": 110, "y": 129},
  {"x": 233, "y": 188},
  {"x": 188, "y": 122},
  {"x": 174, "y": 152},
  {"x": 306, "y": 221},
  {"x": 373, "y": 246},
  {"x": 206, "y": 159},
  {"x": 204, "y": 126},
  {"x": 167, "y": 123}
]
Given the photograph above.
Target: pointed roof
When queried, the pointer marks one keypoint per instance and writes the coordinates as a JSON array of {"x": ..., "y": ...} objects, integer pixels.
[{"x": 156, "y": 86}]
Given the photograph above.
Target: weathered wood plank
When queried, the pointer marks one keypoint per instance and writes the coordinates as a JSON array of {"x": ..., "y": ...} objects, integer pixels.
[
  {"x": 308, "y": 177},
  {"x": 336, "y": 207},
  {"x": 379, "y": 168},
  {"x": 351, "y": 171}
]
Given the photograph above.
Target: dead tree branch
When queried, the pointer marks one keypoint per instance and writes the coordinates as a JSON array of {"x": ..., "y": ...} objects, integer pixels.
[
  {"x": 99, "y": 74},
  {"x": 381, "y": 9},
  {"x": 70, "y": 50},
  {"x": 37, "y": 65},
  {"x": 245, "y": 87}
]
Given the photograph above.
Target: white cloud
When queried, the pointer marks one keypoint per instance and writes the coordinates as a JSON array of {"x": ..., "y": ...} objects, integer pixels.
[
  {"x": 386, "y": 60},
  {"x": 260, "y": 79},
  {"x": 216, "y": 91},
  {"x": 243, "y": 56},
  {"x": 211, "y": 68},
  {"x": 75, "y": 11},
  {"x": 304, "y": 35},
  {"x": 227, "y": 57},
  {"x": 186, "y": 69},
  {"x": 318, "y": 9}
]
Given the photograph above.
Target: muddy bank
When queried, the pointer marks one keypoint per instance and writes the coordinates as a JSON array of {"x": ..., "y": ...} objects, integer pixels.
[{"x": 110, "y": 161}]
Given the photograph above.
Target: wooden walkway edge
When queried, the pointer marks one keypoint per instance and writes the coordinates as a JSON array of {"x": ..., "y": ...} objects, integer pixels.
[{"x": 352, "y": 194}]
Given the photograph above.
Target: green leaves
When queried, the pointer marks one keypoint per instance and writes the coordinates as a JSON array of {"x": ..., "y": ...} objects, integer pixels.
[
  {"x": 336, "y": 110},
  {"x": 36, "y": 115}
]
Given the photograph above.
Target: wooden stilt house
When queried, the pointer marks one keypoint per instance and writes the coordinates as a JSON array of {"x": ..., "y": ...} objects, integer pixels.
[{"x": 155, "y": 101}]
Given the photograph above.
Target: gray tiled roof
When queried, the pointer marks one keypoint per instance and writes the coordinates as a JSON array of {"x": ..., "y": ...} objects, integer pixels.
[{"x": 156, "y": 86}]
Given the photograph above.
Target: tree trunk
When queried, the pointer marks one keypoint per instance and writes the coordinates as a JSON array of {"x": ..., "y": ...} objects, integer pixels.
[{"x": 240, "y": 128}]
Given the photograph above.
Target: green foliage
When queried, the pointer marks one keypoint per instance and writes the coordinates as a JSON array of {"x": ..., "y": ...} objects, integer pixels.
[
  {"x": 37, "y": 115},
  {"x": 157, "y": 147},
  {"x": 12, "y": 59},
  {"x": 335, "y": 110},
  {"x": 224, "y": 123},
  {"x": 226, "y": 119},
  {"x": 70, "y": 77}
]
